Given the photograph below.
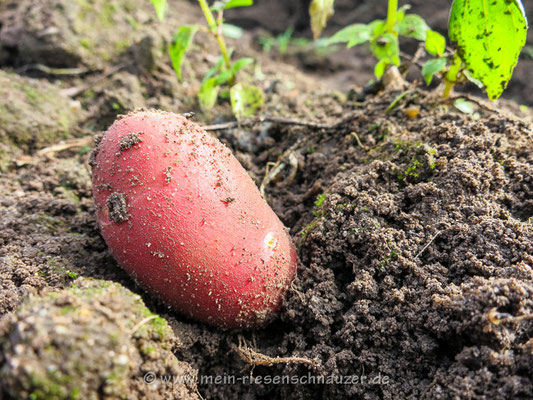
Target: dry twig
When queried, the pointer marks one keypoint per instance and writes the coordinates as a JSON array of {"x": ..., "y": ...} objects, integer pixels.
[
  {"x": 261, "y": 120},
  {"x": 51, "y": 150},
  {"x": 427, "y": 245}
]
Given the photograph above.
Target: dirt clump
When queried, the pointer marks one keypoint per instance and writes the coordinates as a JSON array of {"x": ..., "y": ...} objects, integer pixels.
[
  {"x": 33, "y": 113},
  {"x": 65, "y": 345}
]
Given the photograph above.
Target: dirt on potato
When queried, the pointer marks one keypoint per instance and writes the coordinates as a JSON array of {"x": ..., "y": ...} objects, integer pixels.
[{"x": 413, "y": 222}]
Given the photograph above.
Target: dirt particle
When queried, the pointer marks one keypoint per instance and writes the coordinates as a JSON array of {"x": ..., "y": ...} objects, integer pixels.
[
  {"x": 117, "y": 207},
  {"x": 130, "y": 140},
  {"x": 96, "y": 148},
  {"x": 168, "y": 175}
]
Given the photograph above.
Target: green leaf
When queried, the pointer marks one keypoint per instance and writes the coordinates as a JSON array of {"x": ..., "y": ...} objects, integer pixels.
[
  {"x": 208, "y": 93},
  {"x": 400, "y": 14},
  {"x": 435, "y": 43},
  {"x": 246, "y": 100},
  {"x": 161, "y": 7},
  {"x": 232, "y": 31},
  {"x": 223, "y": 77},
  {"x": 386, "y": 48},
  {"x": 241, "y": 63},
  {"x": 380, "y": 68},
  {"x": 489, "y": 36},
  {"x": 320, "y": 11},
  {"x": 464, "y": 106},
  {"x": 377, "y": 27},
  {"x": 432, "y": 67},
  {"x": 475, "y": 81},
  {"x": 238, "y": 3},
  {"x": 413, "y": 26},
  {"x": 352, "y": 35},
  {"x": 180, "y": 44}
]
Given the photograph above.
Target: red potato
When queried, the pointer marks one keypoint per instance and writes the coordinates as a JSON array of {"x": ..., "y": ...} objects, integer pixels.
[{"x": 185, "y": 220}]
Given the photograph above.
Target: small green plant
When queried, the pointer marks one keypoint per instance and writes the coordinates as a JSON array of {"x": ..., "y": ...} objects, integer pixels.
[
  {"x": 280, "y": 42},
  {"x": 382, "y": 35},
  {"x": 487, "y": 39},
  {"x": 245, "y": 99},
  {"x": 285, "y": 43}
]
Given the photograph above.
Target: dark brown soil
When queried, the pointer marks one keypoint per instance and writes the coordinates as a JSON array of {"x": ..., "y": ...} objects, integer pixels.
[{"x": 413, "y": 223}]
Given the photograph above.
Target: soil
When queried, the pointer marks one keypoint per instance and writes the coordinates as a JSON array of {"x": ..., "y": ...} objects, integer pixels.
[{"x": 413, "y": 223}]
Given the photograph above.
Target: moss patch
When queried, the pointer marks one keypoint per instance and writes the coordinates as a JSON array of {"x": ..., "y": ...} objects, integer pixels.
[{"x": 32, "y": 113}]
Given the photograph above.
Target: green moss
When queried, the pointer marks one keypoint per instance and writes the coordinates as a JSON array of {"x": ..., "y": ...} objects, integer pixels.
[
  {"x": 311, "y": 149},
  {"x": 32, "y": 113},
  {"x": 309, "y": 228},
  {"x": 50, "y": 223},
  {"x": 85, "y": 43},
  {"x": 133, "y": 23},
  {"x": 71, "y": 274},
  {"x": 68, "y": 310},
  {"x": 320, "y": 200},
  {"x": 121, "y": 45},
  {"x": 160, "y": 327}
]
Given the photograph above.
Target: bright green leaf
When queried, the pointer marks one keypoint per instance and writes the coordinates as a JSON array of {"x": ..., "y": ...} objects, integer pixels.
[
  {"x": 238, "y": 3},
  {"x": 320, "y": 11},
  {"x": 223, "y": 77},
  {"x": 246, "y": 100},
  {"x": 160, "y": 8},
  {"x": 435, "y": 43},
  {"x": 241, "y": 63},
  {"x": 432, "y": 67},
  {"x": 413, "y": 26},
  {"x": 208, "y": 93},
  {"x": 377, "y": 27},
  {"x": 489, "y": 36},
  {"x": 352, "y": 35},
  {"x": 386, "y": 48},
  {"x": 232, "y": 31},
  {"x": 464, "y": 106},
  {"x": 379, "y": 69},
  {"x": 400, "y": 14},
  {"x": 179, "y": 46}
]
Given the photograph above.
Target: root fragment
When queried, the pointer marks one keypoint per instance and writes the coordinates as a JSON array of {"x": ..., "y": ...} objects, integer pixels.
[{"x": 254, "y": 358}]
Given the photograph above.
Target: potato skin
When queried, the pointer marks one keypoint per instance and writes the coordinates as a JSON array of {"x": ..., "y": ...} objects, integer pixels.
[{"x": 185, "y": 220}]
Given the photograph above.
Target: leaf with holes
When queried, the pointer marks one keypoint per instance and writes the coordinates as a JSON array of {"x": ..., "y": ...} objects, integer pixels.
[
  {"x": 489, "y": 36},
  {"x": 246, "y": 100},
  {"x": 208, "y": 93},
  {"x": 414, "y": 26},
  {"x": 386, "y": 48}
]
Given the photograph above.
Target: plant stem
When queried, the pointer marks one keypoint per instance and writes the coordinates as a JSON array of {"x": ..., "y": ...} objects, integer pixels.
[
  {"x": 391, "y": 16},
  {"x": 215, "y": 31},
  {"x": 452, "y": 76}
]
